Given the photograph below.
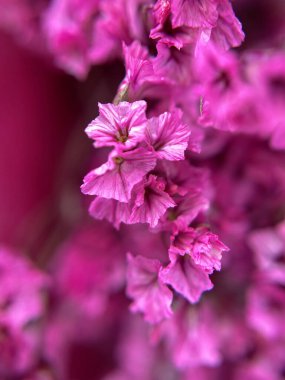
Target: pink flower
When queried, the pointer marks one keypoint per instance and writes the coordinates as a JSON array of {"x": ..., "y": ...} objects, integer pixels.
[
  {"x": 119, "y": 22},
  {"x": 186, "y": 210},
  {"x": 174, "y": 64},
  {"x": 176, "y": 37},
  {"x": 268, "y": 245},
  {"x": 214, "y": 18},
  {"x": 268, "y": 77},
  {"x": 191, "y": 338},
  {"x": 116, "y": 178},
  {"x": 118, "y": 124},
  {"x": 181, "y": 177},
  {"x": 266, "y": 310},
  {"x": 19, "y": 350},
  {"x": 20, "y": 290},
  {"x": 150, "y": 296},
  {"x": 150, "y": 201},
  {"x": 161, "y": 10},
  {"x": 138, "y": 69},
  {"x": 229, "y": 101},
  {"x": 141, "y": 78},
  {"x": 89, "y": 267},
  {"x": 168, "y": 135},
  {"x": 203, "y": 246},
  {"x": 110, "y": 209},
  {"x": 21, "y": 307},
  {"x": 69, "y": 38},
  {"x": 186, "y": 278},
  {"x": 228, "y": 30},
  {"x": 195, "y": 14}
]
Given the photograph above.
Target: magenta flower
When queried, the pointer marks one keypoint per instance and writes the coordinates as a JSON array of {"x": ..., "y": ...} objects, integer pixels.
[
  {"x": 161, "y": 10},
  {"x": 202, "y": 14},
  {"x": 214, "y": 18},
  {"x": 168, "y": 135},
  {"x": 85, "y": 276},
  {"x": 150, "y": 201},
  {"x": 191, "y": 339},
  {"x": 176, "y": 37},
  {"x": 174, "y": 64},
  {"x": 186, "y": 277},
  {"x": 150, "y": 296},
  {"x": 203, "y": 246},
  {"x": 68, "y": 35},
  {"x": 186, "y": 210},
  {"x": 21, "y": 308},
  {"x": 266, "y": 310},
  {"x": 228, "y": 31},
  {"x": 116, "y": 178},
  {"x": 269, "y": 248},
  {"x": 114, "y": 211},
  {"x": 141, "y": 79},
  {"x": 123, "y": 124}
]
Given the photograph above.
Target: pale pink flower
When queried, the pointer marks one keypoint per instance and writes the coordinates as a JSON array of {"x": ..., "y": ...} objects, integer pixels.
[
  {"x": 176, "y": 37},
  {"x": 174, "y": 65},
  {"x": 266, "y": 310},
  {"x": 114, "y": 211},
  {"x": 22, "y": 290},
  {"x": 268, "y": 245},
  {"x": 141, "y": 79},
  {"x": 186, "y": 210},
  {"x": 186, "y": 278},
  {"x": 202, "y": 245},
  {"x": 150, "y": 201},
  {"x": 191, "y": 338},
  {"x": 118, "y": 124},
  {"x": 168, "y": 135},
  {"x": 195, "y": 14},
  {"x": 89, "y": 268},
  {"x": 150, "y": 296},
  {"x": 116, "y": 178},
  {"x": 161, "y": 10},
  {"x": 228, "y": 30}
]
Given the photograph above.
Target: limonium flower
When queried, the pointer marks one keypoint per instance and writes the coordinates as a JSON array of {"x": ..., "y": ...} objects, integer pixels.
[{"x": 168, "y": 261}]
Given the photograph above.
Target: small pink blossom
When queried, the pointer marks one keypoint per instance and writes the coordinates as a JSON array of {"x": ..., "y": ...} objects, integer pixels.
[
  {"x": 22, "y": 289},
  {"x": 118, "y": 124},
  {"x": 176, "y": 37},
  {"x": 268, "y": 245},
  {"x": 141, "y": 79},
  {"x": 187, "y": 208},
  {"x": 203, "y": 246},
  {"x": 192, "y": 339},
  {"x": 150, "y": 201},
  {"x": 228, "y": 30},
  {"x": 116, "y": 178},
  {"x": 114, "y": 211},
  {"x": 186, "y": 277},
  {"x": 69, "y": 39},
  {"x": 168, "y": 135},
  {"x": 161, "y": 10},
  {"x": 266, "y": 310},
  {"x": 150, "y": 296},
  {"x": 174, "y": 65},
  {"x": 201, "y": 14},
  {"x": 85, "y": 275}
]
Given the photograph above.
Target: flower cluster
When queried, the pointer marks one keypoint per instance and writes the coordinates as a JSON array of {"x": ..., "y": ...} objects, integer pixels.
[{"x": 186, "y": 114}]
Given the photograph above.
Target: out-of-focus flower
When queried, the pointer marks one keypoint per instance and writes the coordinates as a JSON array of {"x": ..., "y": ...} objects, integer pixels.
[{"x": 22, "y": 308}]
